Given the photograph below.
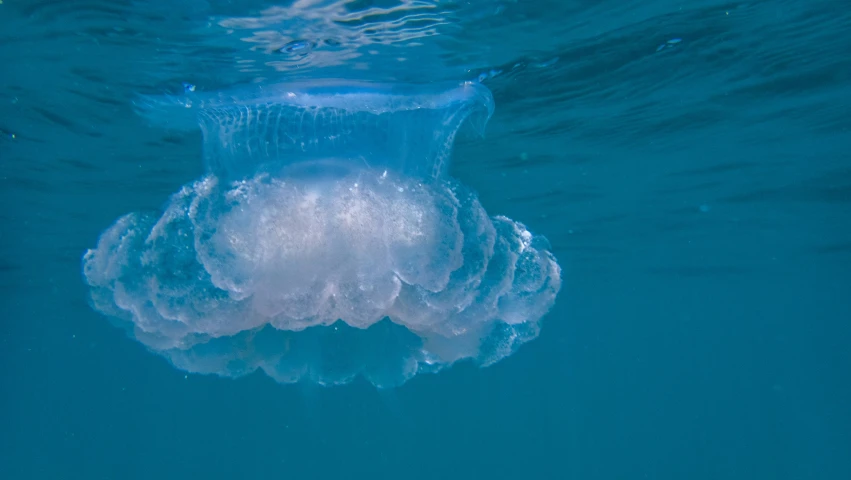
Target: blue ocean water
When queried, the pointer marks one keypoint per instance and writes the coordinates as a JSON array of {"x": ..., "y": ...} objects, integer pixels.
[{"x": 688, "y": 164}]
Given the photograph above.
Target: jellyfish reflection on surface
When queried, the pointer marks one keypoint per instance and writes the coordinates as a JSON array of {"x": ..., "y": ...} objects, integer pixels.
[{"x": 325, "y": 240}]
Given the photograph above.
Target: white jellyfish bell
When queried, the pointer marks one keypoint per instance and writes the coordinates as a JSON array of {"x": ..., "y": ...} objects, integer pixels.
[{"x": 325, "y": 241}]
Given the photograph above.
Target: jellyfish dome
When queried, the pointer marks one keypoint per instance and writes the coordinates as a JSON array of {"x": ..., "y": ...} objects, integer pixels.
[{"x": 325, "y": 241}]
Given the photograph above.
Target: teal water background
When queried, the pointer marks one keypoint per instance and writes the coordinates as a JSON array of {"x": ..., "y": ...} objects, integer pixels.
[{"x": 688, "y": 161}]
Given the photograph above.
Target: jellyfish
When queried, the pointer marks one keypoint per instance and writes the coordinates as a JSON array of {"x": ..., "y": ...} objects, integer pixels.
[{"x": 325, "y": 240}]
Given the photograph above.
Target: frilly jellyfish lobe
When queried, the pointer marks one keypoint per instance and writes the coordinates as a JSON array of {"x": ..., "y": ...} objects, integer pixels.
[{"x": 325, "y": 241}]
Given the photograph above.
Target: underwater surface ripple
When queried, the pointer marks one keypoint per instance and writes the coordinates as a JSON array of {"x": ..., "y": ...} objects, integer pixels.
[{"x": 688, "y": 163}]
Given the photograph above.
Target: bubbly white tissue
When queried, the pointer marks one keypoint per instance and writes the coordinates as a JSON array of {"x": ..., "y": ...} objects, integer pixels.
[{"x": 290, "y": 254}]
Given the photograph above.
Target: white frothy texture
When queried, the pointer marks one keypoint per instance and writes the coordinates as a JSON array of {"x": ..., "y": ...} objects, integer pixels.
[
  {"x": 291, "y": 255},
  {"x": 325, "y": 267}
]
